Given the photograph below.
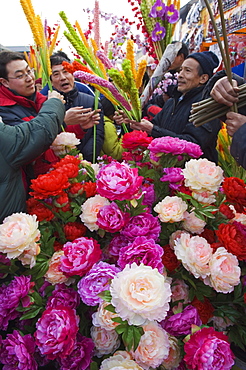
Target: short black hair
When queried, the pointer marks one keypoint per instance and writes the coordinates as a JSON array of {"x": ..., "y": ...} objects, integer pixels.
[
  {"x": 108, "y": 107},
  {"x": 6, "y": 57},
  {"x": 59, "y": 57},
  {"x": 183, "y": 50}
]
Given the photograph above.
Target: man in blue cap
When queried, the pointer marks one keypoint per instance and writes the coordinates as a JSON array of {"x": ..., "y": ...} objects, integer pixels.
[{"x": 173, "y": 119}]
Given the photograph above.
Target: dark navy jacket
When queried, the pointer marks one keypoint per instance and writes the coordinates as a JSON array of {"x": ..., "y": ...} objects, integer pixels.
[{"x": 173, "y": 120}]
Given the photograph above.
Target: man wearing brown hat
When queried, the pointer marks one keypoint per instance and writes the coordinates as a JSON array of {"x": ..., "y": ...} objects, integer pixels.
[{"x": 173, "y": 119}]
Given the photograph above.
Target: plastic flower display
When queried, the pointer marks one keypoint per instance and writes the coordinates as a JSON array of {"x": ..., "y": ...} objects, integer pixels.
[{"x": 138, "y": 264}]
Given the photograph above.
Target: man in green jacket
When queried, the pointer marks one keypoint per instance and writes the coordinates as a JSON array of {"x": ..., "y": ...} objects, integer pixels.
[{"x": 20, "y": 145}]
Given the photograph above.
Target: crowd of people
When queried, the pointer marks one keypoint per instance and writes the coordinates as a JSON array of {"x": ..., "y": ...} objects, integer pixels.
[{"x": 32, "y": 116}]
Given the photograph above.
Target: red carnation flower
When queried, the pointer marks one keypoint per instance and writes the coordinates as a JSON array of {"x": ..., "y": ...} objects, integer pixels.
[
  {"x": 74, "y": 230},
  {"x": 209, "y": 235},
  {"x": 136, "y": 139},
  {"x": 169, "y": 258},
  {"x": 61, "y": 201},
  {"x": 233, "y": 238},
  {"x": 205, "y": 309},
  {"x": 50, "y": 184},
  {"x": 76, "y": 189},
  {"x": 226, "y": 210},
  {"x": 70, "y": 169}
]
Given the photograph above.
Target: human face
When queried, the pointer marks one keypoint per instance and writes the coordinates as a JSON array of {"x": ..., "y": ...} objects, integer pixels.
[
  {"x": 188, "y": 77},
  {"x": 61, "y": 79},
  {"x": 24, "y": 86}
]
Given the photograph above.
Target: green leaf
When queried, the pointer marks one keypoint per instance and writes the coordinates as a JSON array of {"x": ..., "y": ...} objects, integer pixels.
[
  {"x": 37, "y": 299},
  {"x": 110, "y": 308},
  {"x": 137, "y": 333},
  {"x": 121, "y": 328},
  {"x": 105, "y": 295},
  {"x": 31, "y": 313},
  {"x": 93, "y": 366}
]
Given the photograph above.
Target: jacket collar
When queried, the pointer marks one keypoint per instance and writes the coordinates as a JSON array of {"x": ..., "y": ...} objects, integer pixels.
[{"x": 9, "y": 97}]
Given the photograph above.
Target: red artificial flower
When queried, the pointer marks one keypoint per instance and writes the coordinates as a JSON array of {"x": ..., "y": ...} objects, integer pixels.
[
  {"x": 169, "y": 258},
  {"x": 235, "y": 190},
  {"x": 50, "y": 184},
  {"x": 61, "y": 201},
  {"x": 67, "y": 159},
  {"x": 90, "y": 189},
  {"x": 205, "y": 309},
  {"x": 76, "y": 189},
  {"x": 136, "y": 139},
  {"x": 233, "y": 238},
  {"x": 226, "y": 211},
  {"x": 68, "y": 67},
  {"x": 79, "y": 67},
  {"x": 57, "y": 246},
  {"x": 34, "y": 207},
  {"x": 74, "y": 230},
  {"x": 244, "y": 297},
  {"x": 209, "y": 235},
  {"x": 68, "y": 165}
]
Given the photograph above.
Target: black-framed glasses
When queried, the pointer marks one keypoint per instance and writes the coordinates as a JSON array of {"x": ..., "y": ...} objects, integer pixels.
[{"x": 22, "y": 76}]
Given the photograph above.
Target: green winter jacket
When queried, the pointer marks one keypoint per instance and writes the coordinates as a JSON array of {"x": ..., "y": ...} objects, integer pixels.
[
  {"x": 20, "y": 145},
  {"x": 112, "y": 144}
]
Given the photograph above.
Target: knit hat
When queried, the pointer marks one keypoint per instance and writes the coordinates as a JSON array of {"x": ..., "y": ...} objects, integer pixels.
[{"x": 207, "y": 60}]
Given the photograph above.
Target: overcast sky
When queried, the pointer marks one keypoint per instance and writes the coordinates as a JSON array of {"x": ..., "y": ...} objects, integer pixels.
[{"x": 15, "y": 30}]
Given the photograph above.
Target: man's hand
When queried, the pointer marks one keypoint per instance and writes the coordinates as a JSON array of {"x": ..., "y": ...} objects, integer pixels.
[
  {"x": 85, "y": 117},
  {"x": 144, "y": 125},
  {"x": 224, "y": 93},
  {"x": 57, "y": 95},
  {"x": 120, "y": 117},
  {"x": 233, "y": 122}
]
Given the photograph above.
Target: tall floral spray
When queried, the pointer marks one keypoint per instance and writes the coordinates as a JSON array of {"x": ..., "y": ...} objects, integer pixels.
[
  {"x": 160, "y": 18},
  {"x": 44, "y": 46}
]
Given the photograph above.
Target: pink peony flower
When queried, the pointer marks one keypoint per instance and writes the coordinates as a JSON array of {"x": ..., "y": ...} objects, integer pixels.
[
  {"x": 193, "y": 224},
  {"x": 106, "y": 341},
  {"x": 180, "y": 291},
  {"x": 79, "y": 256},
  {"x": 140, "y": 293},
  {"x": 111, "y": 218},
  {"x": 153, "y": 347},
  {"x": 202, "y": 175},
  {"x": 144, "y": 224},
  {"x": 17, "y": 352},
  {"x": 63, "y": 296},
  {"x": 54, "y": 275},
  {"x": 119, "y": 362},
  {"x": 103, "y": 317},
  {"x": 56, "y": 332},
  {"x": 208, "y": 349},
  {"x": 195, "y": 253},
  {"x": 90, "y": 209},
  {"x": 224, "y": 271},
  {"x": 171, "y": 209},
  {"x": 81, "y": 356},
  {"x": 167, "y": 144},
  {"x": 118, "y": 181},
  {"x": 142, "y": 250}
]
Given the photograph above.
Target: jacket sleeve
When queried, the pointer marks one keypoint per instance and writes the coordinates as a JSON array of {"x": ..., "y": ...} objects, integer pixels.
[
  {"x": 23, "y": 143},
  {"x": 238, "y": 146},
  {"x": 112, "y": 144},
  {"x": 86, "y": 144}
]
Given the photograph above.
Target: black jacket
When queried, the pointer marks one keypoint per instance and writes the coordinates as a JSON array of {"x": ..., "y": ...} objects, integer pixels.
[
  {"x": 74, "y": 98},
  {"x": 173, "y": 120}
]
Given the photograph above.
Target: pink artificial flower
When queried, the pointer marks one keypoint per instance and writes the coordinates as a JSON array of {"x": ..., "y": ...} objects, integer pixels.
[
  {"x": 119, "y": 181},
  {"x": 79, "y": 256},
  {"x": 208, "y": 349},
  {"x": 111, "y": 218},
  {"x": 56, "y": 332}
]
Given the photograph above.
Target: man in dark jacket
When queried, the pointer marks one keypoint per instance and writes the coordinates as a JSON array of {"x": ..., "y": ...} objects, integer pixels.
[
  {"x": 79, "y": 108},
  {"x": 224, "y": 93},
  {"x": 173, "y": 119},
  {"x": 21, "y": 144}
]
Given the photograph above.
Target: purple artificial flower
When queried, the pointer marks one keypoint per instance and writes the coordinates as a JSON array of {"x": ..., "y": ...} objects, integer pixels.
[
  {"x": 63, "y": 296},
  {"x": 144, "y": 224},
  {"x": 157, "y": 10},
  {"x": 149, "y": 194},
  {"x": 193, "y": 150},
  {"x": 172, "y": 14},
  {"x": 142, "y": 250},
  {"x": 173, "y": 174},
  {"x": 96, "y": 281},
  {"x": 158, "y": 32},
  {"x": 180, "y": 323},
  {"x": 81, "y": 356},
  {"x": 111, "y": 218},
  {"x": 104, "y": 59},
  {"x": 17, "y": 352},
  {"x": 111, "y": 253},
  {"x": 11, "y": 296}
]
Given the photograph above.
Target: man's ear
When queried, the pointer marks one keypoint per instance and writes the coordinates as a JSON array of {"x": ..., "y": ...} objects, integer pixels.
[
  {"x": 4, "y": 82},
  {"x": 204, "y": 78}
]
